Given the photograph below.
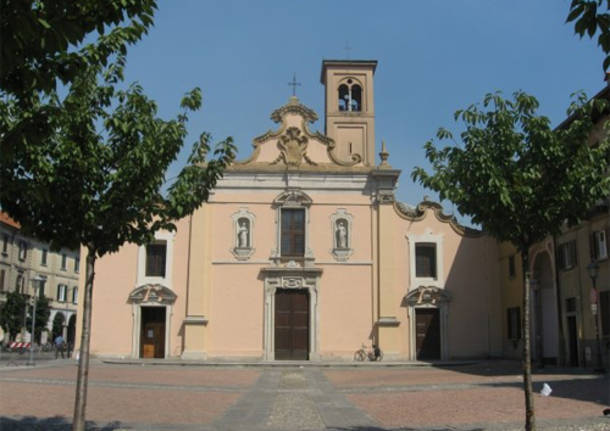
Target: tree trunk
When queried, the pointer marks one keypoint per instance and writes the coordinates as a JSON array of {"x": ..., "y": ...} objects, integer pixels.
[
  {"x": 80, "y": 402},
  {"x": 530, "y": 416}
]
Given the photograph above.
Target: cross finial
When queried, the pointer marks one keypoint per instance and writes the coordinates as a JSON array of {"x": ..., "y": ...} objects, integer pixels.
[
  {"x": 294, "y": 85},
  {"x": 347, "y": 49}
]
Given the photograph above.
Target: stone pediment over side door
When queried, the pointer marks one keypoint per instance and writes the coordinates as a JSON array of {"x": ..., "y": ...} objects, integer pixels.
[{"x": 294, "y": 147}]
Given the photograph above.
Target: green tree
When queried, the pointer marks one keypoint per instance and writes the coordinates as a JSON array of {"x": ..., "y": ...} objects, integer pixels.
[
  {"x": 591, "y": 19},
  {"x": 43, "y": 312},
  {"x": 58, "y": 325},
  {"x": 12, "y": 313},
  {"x": 520, "y": 179},
  {"x": 96, "y": 181}
]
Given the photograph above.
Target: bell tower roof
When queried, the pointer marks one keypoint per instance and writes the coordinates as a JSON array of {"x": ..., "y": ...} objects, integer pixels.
[{"x": 347, "y": 64}]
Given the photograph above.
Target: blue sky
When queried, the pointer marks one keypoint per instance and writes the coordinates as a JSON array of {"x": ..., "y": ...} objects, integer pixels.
[{"x": 434, "y": 58}]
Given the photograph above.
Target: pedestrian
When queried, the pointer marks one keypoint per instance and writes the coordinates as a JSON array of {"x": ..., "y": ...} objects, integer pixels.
[{"x": 60, "y": 345}]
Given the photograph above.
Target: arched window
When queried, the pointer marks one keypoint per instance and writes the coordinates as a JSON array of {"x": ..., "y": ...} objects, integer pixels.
[
  {"x": 356, "y": 101},
  {"x": 343, "y": 97},
  {"x": 350, "y": 96}
]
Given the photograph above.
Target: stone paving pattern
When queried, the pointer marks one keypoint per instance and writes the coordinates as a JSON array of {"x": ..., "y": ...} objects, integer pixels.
[{"x": 484, "y": 396}]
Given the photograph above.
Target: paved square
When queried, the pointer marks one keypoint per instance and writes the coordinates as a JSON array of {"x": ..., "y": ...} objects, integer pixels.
[{"x": 481, "y": 396}]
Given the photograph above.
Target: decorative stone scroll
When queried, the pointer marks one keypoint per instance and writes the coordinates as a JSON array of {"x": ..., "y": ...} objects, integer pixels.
[
  {"x": 427, "y": 295},
  {"x": 293, "y": 148},
  {"x": 152, "y": 293}
]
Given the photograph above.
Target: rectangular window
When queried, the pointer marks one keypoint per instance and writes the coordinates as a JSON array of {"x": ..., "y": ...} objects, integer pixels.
[
  {"x": 566, "y": 255},
  {"x": 571, "y": 305},
  {"x": 76, "y": 264},
  {"x": 513, "y": 326},
  {"x": 2, "y": 277},
  {"x": 4, "y": 244},
  {"x": 293, "y": 233},
  {"x": 19, "y": 283},
  {"x": 41, "y": 289},
  {"x": 604, "y": 305},
  {"x": 75, "y": 295},
  {"x": 43, "y": 257},
  {"x": 155, "y": 259},
  {"x": 511, "y": 266},
  {"x": 599, "y": 245},
  {"x": 425, "y": 260},
  {"x": 23, "y": 250},
  {"x": 64, "y": 261},
  {"x": 61, "y": 292}
]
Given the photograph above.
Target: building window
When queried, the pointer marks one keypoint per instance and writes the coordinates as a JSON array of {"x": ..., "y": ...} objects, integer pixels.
[
  {"x": 566, "y": 255},
  {"x": 64, "y": 261},
  {"x": 513, "y": 326},
  {"x": 293, "y": 232},
  {"x": 62, "y": 292},
  {"x": 511, "y": 266},
  {"x": 425, "y": 260},
  {"x": 77, "y": 264},
  {"x": 599, "y": 245},
  {"x": 41, "y": 285},
  {"x": 604, "y": 305},
  {"x": 75, "y": 295},
  {"x": 5, "y": 244},
  {"x": 350, "y": 96},
  {"x": 571, "y": 305},
  {"x": 20, "y": 283},
  {"x": 155, "y": 259},
  {"x": 2, "y": 278},
  {"x": 43, "y": 257},
  {"x": 23, "y": 250}
]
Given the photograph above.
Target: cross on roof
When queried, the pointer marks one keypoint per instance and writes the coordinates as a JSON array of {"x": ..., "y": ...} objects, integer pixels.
[
  {"x": 347, "y": 49},
  {"x": 294, "y": 84}
]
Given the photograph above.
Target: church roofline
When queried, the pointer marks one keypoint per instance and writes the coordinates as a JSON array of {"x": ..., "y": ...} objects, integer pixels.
[{"x": 346, "y": 63}]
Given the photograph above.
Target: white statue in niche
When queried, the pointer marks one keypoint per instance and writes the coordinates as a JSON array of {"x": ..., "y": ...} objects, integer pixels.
[
  {"x": 243, "y": 233},
  {"x": 341, "y": 233}
]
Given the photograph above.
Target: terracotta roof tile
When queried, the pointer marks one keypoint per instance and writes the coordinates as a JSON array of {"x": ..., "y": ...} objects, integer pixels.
[{"x": 6, "y": 219}]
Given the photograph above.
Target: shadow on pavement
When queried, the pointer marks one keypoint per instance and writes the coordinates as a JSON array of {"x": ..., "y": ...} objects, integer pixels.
[
  {"x": 368, "y": 428},
  {"x": 57, "y": 423}
]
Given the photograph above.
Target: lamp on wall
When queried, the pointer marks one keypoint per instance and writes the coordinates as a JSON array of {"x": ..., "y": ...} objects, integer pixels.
[{"x": 593, "y": 270}]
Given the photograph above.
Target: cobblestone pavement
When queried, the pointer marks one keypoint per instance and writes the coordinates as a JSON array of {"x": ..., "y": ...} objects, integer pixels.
[{"x": 483, "y": 396}]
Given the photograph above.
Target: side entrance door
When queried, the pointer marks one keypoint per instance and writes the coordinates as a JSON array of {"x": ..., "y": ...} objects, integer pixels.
[
  {"x": 152, "y": 337},
  {"x": 291, "y": 324},
  {"x": 427, "y": 334}
]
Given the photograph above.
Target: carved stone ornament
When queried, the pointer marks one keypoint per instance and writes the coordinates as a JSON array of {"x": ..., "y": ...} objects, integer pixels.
[
  {"x": 341, "y": 231},
  {"x": 152, "y": 293},
  {"x": 427, "y": 295},
  {"x": 293, "y": 148},
  {"x": 385, "y": 197},
  {"x": 243, "y": 225}
]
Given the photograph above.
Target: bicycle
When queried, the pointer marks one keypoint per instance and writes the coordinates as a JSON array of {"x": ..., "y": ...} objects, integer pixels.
[{"x": 374, "y": 354}]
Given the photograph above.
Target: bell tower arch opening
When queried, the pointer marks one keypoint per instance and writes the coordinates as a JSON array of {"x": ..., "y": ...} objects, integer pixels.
[{"x": 350, "y": 108}]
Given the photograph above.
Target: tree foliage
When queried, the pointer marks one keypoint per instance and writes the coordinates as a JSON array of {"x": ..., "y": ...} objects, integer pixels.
[
  {"x": 12, "y": 313},
  {"x": 591, "y": 19},
  {"x": 514, "y": 174},
  {"x": 43, "y": 312},
  {"x": 46, "y": 42}
]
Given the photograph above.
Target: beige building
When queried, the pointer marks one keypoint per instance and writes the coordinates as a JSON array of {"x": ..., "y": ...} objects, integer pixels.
[
  {"x": 22, "y": 259},
  {"x": 303, "y": 252},
  {"x": 567, "y": 313}
]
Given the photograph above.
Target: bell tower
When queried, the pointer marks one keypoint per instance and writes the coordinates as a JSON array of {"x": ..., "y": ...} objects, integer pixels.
[{"x": 350, "y": 108}]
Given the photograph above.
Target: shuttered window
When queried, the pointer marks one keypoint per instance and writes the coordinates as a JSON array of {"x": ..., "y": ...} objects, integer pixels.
[
  {"x": 425, "y": 260},
  {"x": 293, "y": 232},
  {"x": 567, "y": 257},
  {"x": 155, "y": 259},
  {"x": 513, "y": 324},
  {"x": 598, "y": 243}
]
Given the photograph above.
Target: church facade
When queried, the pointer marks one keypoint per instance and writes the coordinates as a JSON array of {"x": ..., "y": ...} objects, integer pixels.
[{"x": 303, "y": 253}]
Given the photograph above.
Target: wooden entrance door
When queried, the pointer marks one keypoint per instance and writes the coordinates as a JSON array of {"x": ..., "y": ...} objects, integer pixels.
[
  {"x": 428, "y": 334},
  {"x": 152, "y": 336},
  {"x": 291, "y": 324}
]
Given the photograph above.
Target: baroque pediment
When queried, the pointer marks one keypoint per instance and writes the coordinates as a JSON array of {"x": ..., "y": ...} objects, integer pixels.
[
  {"x": 151, "y": 293},
  {"x": 293, "y": 146},
  {"x": 427, "y": 295}
]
